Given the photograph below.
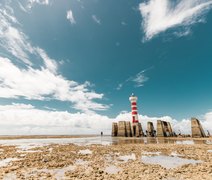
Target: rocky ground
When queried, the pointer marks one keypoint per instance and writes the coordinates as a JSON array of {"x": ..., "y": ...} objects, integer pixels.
[{"x": 121, "y": 161}]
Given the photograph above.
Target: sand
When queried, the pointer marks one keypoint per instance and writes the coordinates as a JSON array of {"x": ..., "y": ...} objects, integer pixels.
[{"x": 116, "y": 161}]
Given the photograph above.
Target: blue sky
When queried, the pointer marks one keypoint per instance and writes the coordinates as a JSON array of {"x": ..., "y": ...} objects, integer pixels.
[{"x": 85, "y": 57}]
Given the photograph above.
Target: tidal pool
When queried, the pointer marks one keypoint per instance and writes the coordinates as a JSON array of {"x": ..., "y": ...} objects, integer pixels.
[
  {"x": 85, "y": 152},
  {"x": 112, "y": 169},
  {"x": 57, "y": 173},
  {"x": 168, "y": 162},
  {"x": 5, "y": 162},
  {"x": 126, "y": 158}
]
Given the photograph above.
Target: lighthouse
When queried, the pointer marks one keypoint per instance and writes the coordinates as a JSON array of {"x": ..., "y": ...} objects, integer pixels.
[
  {"x": 133, "y": 100},
  {"x": 136, "y": 128},
  {"x": 126, "y": 128}
]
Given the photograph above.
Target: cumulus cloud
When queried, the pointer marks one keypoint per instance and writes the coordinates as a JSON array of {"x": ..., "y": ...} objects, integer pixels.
[
  {"x": 26, "y": 119},
  {"x": 161, "y": 15},
  {"x": 96, "y": 19},
  {"x": 70, "y": 16},
  {"x": 43, "y": 84}
]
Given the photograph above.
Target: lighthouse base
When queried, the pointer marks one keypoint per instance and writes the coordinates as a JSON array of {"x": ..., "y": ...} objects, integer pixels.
[{"x": 127, "y": 129}]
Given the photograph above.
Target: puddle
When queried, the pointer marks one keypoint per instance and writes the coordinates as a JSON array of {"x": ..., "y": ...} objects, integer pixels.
[
  {"x": 127, "y": 157},
  {"x": 108, "y": 158},
  {"x": 208, "y": 142},
  {"x": 85, "y": 152},
  {"x": 5, "y": 162},
  {"x": 185, "y": 142},
  {"x": 10, "y": 176},
  {"x": 151, "y": 153},
  {"x": 58, "y": 173},
  {"x": 81, "y": 162},
  {"x": 175, "y": 154},
  {"x": 112, "y": 169},
  {"x": 28, "y": 151},
  {"x": 167, "y": 161}
]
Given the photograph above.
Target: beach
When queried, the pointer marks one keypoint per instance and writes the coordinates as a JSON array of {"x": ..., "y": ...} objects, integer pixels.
[{"x": 96, "y": 157}]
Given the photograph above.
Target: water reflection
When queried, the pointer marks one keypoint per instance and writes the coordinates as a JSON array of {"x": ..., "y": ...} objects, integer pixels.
[
  {"x": 26, "y": 144},
  {"x": 158, "y": 140}
]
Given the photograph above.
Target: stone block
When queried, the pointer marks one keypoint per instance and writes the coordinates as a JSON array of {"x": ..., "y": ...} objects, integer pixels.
[
  {"x": 196, "y": 128},
  {"x": 114, "y": 129},
  {"x": 122, "y": 129}
]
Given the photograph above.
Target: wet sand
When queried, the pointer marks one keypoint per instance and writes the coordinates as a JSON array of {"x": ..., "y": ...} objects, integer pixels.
[
  {"x": 43, "y": 136},
  {"x": 122, "y": 158}
]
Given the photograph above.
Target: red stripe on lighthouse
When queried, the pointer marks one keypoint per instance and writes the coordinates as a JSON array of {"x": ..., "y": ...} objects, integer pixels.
[{"x": 134, "y": 108}]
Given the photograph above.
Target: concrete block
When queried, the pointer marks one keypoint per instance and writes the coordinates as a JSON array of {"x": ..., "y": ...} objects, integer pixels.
[
  {"x": 122, "y": 129},
  {"x": 128, "y": 129},
  {"x": 160, "y": 129},
  {"x": 114, "y": 129},
  {"x": 150, "y": 129},
  {"x": 196, "y": 128}
]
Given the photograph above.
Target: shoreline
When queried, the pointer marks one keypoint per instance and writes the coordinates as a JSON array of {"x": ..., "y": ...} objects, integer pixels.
[{"x": 5, "y": 137}]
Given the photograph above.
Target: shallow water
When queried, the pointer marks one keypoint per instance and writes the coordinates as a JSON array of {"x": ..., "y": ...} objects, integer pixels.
[
  {"x": 85, "y": 152},
  {"x": 26, "y": 144},
  {"x": 168, "y": 162},
  {"x": 126, "y": 158},
  {"x": 10, "y": 176},
  {"x": 57, "y": 173},
  {"x": 185, "y": 142},
  {"x": 151, "y": 153},
  {"x": 5, "y": 162},
  {"x": 112, "y": 169},
  {"x": 81, "y": 162}
]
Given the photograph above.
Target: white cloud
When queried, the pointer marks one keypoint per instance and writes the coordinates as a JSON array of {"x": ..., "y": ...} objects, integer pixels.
[
  {"x": 160, "y": 15},
  {"x": 50, "y": 64},
  {"x": 22, "y": 7},
  {"x": 43, "y": 84},
  {"x": 16, "y": 43},
  {"x": 26, "y": 119},
  {"x": 39, "y": 83},
  {"x": 70, "y": 17},
  {"x": 13, "y": 40},
  {"x": 31, "y": 3},
  {"x": 139, "y": 79},
  {"x": 96, "y": 19}
]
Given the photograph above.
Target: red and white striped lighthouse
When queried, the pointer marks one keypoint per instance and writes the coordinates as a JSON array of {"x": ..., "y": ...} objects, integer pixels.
[{"x": 133, "y": 99}]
